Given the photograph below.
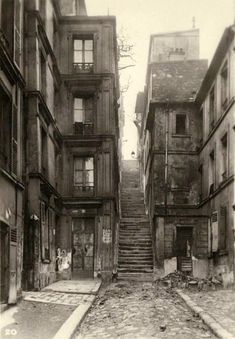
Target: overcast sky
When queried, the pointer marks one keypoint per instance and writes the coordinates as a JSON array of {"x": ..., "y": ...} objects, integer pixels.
[{"x": 141, "y": 18}]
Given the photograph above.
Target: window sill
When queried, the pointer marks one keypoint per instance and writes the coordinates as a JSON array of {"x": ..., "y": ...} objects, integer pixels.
[{"x": 181, "y": 136}]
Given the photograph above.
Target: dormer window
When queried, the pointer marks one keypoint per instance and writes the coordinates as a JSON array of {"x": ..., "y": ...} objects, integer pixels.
[{"x": 83, "y": 54}]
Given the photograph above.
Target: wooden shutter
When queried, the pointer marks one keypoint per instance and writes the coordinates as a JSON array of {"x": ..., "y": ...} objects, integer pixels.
[{"x": 13, "y": 266}]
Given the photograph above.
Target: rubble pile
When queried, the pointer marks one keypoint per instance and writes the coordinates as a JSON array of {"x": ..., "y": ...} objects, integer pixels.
[{"x": 182, "y": 280}]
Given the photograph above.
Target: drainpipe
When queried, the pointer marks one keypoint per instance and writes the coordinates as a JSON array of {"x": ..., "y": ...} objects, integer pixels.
[{"x": 166, "y": 154}]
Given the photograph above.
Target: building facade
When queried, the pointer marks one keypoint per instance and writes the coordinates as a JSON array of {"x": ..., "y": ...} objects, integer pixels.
[
  {"x": 175, "y": 165},
  {"x": 72, "y": 160},
  {"x": 12, "y": 85},
  {"x": 60, "y": 147}
]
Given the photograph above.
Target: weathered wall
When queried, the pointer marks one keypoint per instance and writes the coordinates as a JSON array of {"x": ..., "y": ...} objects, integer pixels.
[{"x": 164, "y": 46}]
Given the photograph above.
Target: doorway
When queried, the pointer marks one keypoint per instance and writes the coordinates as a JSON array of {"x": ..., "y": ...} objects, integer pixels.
[
  {"x": 4, "y": 263},
  {"x": 83, "y": 248},
  {"x": 184, "y": 241}
]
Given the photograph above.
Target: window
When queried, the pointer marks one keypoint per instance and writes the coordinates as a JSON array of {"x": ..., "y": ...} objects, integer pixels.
[
  {"x": 211, "y": 172},
  {"x": 14, "y": 140},
  {"x": 46, "y": 219},
  {"x": 7, "y": 13},
  {"x": 212, "y": 108},
  {"x": 200, "y": 170},
  {"x": 83, "y": 55},
  {"x": 224, "y": 85},
  {"x": 83, "y": 115},
  {"x": 180, "y": 124},
  {"x": 17, "y": 32},
  {"x": 224, "y": 153},
  {"x": 5, "y": 131},
  {"x": 222, "y": 228},
  {"x": 84, "y": 174},
  {"x": 42, "y": 74},
  {"x": 44, "y": 165}
]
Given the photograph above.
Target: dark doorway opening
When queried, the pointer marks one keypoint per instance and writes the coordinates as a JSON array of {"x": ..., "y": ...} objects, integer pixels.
[{"x": 184, "y": 242}]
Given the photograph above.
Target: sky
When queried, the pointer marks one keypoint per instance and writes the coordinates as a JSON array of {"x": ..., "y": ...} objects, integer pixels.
[{"x": 138, "y": 19}]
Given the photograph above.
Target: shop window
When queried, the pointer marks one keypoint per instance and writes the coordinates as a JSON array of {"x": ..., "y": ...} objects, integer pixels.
[
  {"x": 224, "y": 160},
  {"x": 212, "y": 108},
  {"x": 224, "y": 85},
  {"x": 180, "y": 124},
  {"x": 83, "y": 109},
  {"x": 84, "y": 174},
  {"x": 83, "y": 54}
]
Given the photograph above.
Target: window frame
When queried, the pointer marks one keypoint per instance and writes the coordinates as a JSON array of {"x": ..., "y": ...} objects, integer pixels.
[
  {"x": 82, "y": 186},
  {"x": 86, "y": 123},
  {"x": 224, "y": 82},
  {"x": 186, "y": 130},
  {"x": 225, "y": 157},
  {"x": 212, "y": 107},
  {"x": 83, "y": 66},
  {"x": 212, "y": 173}
]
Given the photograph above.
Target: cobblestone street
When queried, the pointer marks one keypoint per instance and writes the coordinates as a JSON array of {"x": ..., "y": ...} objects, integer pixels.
[{"x": 141, "y": 310}]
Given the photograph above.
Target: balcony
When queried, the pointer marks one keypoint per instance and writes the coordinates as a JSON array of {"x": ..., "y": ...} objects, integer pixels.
[
  {"x": 80, "y": 67},
  {"x": 83, "y": 128}
]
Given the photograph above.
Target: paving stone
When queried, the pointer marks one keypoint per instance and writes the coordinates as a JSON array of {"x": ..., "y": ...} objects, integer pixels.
[{"x": 133, "y": 316}]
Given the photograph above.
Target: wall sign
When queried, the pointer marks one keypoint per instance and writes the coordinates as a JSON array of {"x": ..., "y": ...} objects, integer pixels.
[{"x": 107, "y": 236}]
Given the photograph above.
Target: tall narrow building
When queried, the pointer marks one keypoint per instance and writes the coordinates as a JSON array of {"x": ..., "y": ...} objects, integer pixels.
[{"x": 72, "y": 132}]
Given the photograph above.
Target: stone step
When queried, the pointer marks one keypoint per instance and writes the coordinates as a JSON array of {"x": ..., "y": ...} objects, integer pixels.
[
  {"x": 140, "y": 237},
  {"x": 135, "y": 247},
  {"x": 129, "y": 263},
  {"x": 135, "y": 251},
  {"x": 135, "y": 276},
  {"x": 135, "y": 270}
]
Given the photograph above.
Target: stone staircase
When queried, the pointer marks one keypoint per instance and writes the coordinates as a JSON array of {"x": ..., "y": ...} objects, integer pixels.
[{"x": 135, "y": 257}]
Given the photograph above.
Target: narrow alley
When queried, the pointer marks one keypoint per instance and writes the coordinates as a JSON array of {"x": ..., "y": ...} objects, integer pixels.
[{"x": 141, "y": 310}]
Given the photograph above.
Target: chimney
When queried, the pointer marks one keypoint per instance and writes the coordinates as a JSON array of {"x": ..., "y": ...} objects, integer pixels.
[{"x": 81, "y": 7}]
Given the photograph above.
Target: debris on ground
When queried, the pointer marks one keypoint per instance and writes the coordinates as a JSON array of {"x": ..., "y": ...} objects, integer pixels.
[{"x": 182, "y": 280}]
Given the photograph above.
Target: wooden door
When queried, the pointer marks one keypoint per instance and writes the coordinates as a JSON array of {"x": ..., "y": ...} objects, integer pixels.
[
  {"x": 184, "y": 241},
  {"x": 4, "y": 265},
  {"x": 83, "y": 247}
]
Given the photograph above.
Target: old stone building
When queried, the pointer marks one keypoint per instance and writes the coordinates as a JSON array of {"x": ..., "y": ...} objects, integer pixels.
[
  {"x": 60, "y": 147},
  {"x": 72, "y": 161},
  {"x": 191, "y": 213},
  {"x": 11, "y": 148}
]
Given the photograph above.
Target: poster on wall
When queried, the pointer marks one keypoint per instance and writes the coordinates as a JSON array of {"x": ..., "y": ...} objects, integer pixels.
[{"x": 107, "y": 236}]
